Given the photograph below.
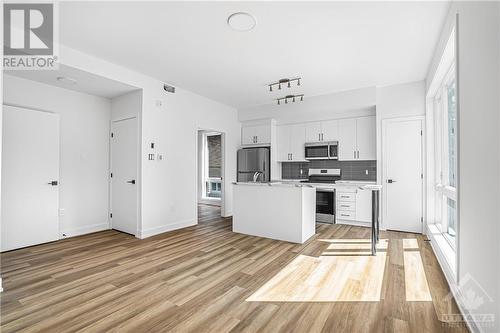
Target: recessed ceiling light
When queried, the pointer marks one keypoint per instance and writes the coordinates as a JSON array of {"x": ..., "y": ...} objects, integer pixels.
[
  {"x": 241, "y": 21},
  {"x": 66, "y": 79}
]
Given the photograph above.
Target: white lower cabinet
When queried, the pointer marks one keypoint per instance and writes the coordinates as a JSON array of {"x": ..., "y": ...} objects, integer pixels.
[
  {"x": 353, "y": 205},
  {"x": 364, "y": 206}
]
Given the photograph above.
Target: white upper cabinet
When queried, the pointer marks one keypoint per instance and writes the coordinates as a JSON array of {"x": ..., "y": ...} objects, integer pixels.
[
  {"x": 366, "y": 138},
  {"x": 247, "y": 135},
  {"x": 320, "y": 131},
  {"x": 297, "y": 140},
  {"x": 260, "y": 134},
  {"x": 313, "y": 131},
  {"x": 330, "y": 130},
  {"x": 283, "y": 142},
  {"x": 347, "y": 139},
  {"x": 357, "y": 139},
  {"x": 290, "y": 142}
]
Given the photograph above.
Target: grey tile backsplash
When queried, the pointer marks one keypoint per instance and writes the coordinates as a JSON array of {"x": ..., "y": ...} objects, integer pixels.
[{"x": 351, "y": 170}]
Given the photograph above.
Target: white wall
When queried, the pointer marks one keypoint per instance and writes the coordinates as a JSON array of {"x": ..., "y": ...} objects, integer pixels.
[
  {"x": 126, "y": 106},
  {"x": 84, "y": 157},
  {"x": 401, "y": 100},
  {"x": 479, "y": 152},
  {"x": 169, "y": 189},
  {"x": 352, "y": 103}
]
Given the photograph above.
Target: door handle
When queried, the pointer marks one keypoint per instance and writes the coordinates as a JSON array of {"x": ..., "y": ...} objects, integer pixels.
[
  {"x": 53, "y": 183},
  {"x": 131, "y": 181},
  {"x": 390, "y": 181}
]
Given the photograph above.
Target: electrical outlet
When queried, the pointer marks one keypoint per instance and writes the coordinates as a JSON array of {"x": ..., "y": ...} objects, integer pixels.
[
  {"x": 159, "y": 103},
  {"x": 61, "y": 211}
]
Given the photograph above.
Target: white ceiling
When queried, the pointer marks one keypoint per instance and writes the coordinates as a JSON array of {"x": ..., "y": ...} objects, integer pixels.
[
  {"x": 84, "y": 81},
  {"x": 333, "y": 46}
]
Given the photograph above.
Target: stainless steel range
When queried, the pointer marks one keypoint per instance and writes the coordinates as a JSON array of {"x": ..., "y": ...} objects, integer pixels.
[{"x": 325, "y": 195}]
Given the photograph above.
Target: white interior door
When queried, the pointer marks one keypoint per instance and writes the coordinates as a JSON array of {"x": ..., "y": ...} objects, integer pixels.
[
  {"x": 124, "y": 180},
  {"x": 402, "y": 175},
  {"x": 30, "y": 165}
]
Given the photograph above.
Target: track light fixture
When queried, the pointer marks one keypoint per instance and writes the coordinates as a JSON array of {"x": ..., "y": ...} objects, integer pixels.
[
  {"x": 290, "y": 97},
  {"x": 288, "y": 83}
]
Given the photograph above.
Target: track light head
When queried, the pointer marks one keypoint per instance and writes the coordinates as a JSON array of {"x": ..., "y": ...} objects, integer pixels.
[
  {"x": 270, "y": 87},
  {"x": 298, "y": 82},
  {"x": 288, "y": 84},
  {"x": 294, "y": 99},
  {"x": 279, "y": 86},
  {"x": 278, "y": 102},
  {"x": 286, "y": 100},
  {"x": 301, "y": 98}
]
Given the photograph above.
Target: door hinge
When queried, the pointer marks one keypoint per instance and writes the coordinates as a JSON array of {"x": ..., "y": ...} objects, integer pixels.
[
  {"x": 111, "y": 215},
  {"x": 421, "y": 132},
  {"x": 422, "y": 175},
  {"x": 111, "y": 175},
  {"x": 421, "y": 220},
  {"x": 112, "y": 134}
]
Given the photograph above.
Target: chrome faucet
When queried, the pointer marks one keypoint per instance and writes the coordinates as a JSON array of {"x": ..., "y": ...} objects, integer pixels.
[{"x": 256, "y": 175}]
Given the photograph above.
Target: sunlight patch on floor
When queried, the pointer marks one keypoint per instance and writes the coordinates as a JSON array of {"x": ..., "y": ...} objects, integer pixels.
[
  {"x": 343, "y": 273},
  {"x": 416, "y": 287}
]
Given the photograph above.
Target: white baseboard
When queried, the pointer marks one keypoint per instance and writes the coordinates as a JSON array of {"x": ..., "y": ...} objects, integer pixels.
[
  {"x": 145, "y": 233},
  {"x": 72, "y": 232}
]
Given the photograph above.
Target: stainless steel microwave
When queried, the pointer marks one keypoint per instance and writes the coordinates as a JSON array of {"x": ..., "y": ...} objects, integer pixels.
[{"x": 322, "y": 150}]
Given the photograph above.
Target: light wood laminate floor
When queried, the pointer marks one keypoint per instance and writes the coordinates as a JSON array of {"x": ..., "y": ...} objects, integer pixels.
[{"x": 198, "y": 279}]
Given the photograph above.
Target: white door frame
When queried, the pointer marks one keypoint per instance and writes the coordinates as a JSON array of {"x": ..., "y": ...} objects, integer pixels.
[
  {"x": 138, "y": 177},
  {"x": 223, "y": 170},
  {"x": 385, "y": 123}
]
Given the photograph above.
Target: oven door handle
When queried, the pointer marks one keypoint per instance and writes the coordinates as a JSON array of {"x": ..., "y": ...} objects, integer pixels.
[{"x": 323, "y": 189}]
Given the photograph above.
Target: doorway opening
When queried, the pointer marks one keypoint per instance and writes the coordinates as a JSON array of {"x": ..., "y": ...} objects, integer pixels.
[{"x": 210, "y": 180}]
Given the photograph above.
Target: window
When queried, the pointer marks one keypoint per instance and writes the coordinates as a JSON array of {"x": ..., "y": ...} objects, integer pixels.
[
  {"x": 212, "y": 168},
  {"x": 445, "y": 147}
]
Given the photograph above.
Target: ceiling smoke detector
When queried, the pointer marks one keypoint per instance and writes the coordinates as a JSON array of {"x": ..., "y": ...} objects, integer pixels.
[{"x": 241, "y": 21}]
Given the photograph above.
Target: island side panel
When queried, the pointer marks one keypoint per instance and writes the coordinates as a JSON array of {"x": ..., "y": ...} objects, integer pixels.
[
  {"x": 308, "y": 213},
  {"x": 269, "y": 211}
]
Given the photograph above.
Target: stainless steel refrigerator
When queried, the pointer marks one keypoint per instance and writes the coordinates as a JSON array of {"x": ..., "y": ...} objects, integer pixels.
[{"x": 252, "y": 160}]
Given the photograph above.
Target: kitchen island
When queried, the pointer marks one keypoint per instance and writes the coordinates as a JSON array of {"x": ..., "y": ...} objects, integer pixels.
[{"x": 275, "y": 210}]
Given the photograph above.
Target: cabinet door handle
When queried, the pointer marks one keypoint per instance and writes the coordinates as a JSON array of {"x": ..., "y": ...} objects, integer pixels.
[
  {"x": 319, "y": 136},
  {"x": 291, "y": 156},
  {"x": 322, "y": 138},
  {"x": 358, "y": 154},
  {"x": 354, "y": 154}
]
